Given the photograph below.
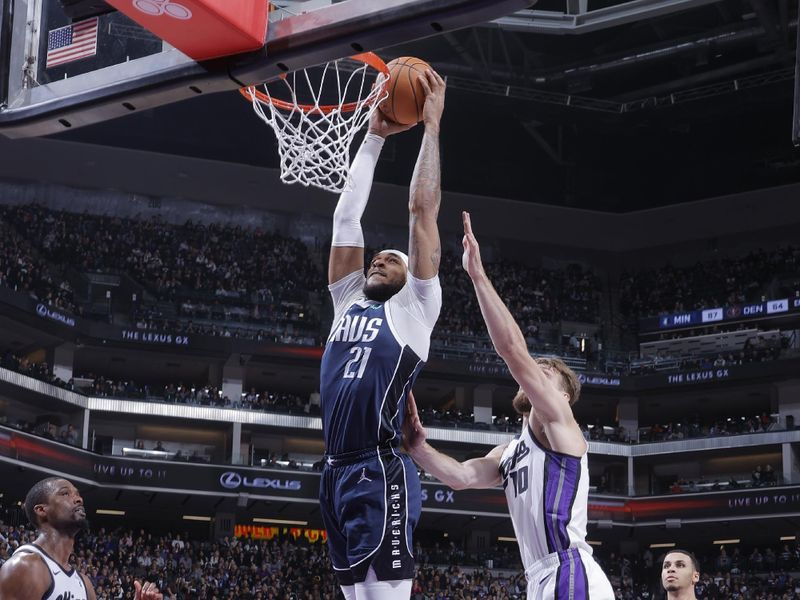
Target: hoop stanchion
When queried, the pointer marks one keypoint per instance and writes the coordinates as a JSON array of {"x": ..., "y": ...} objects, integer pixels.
[{"x": 314, "y": 138}]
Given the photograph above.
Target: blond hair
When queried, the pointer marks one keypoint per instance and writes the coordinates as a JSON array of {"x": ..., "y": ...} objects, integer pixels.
[{"x": 569, "y": 382}]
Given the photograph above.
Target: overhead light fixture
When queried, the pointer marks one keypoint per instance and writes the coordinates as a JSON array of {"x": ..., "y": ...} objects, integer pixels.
[
  {"x": 109, "y": 511},
  {"x": 663, "y": 545},
  {"x": 788, "y": 538},
  {"x": 594, "y": 543},
  {"x": 506, "y": 539},
  {"x": 731, "y": 541},
  {"x": 279, "y": 521},
  {"x": 196, "y": 518}
]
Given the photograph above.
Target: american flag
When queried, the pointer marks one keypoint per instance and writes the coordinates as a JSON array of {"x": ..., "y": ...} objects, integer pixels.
[{"x": 72, "y": 42}]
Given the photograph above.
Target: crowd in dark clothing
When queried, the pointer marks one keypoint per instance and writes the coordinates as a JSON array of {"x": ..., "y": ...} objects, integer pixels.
[
  {"x": 22, "y": 270},
  {"x": 663, "y": 363},
  {"x": 761, "y": 477},
  {"x": 37, "y": 369},
  {"x": 282, "y": 568},
  {"x": 535, "y": 296},
  {"x": 695, "y": 426},
  {"x": 239, "y": 282},
  {"x": 208, "y": 271},
  {"x": 709, "y": 284},
  {"x": 235, "y": 275},
  {"x": 291, "y": 566},
  {"x": 181, "y": 393},
  {"x": 48, "y": 428},
  {"x": 230, "y": 261},
  {"x": 245, "y": 274}
]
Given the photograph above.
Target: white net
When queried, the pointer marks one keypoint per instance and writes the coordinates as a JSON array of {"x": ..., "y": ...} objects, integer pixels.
[{"x": 314, "y": 139}]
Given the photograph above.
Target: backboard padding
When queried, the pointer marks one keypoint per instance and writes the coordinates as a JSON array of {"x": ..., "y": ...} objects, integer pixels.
[{"x": 49, "y": 104}]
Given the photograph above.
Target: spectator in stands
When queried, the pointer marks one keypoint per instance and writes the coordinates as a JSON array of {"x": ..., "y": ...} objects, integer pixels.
[
  {"x": 756, "y": 560},
  {"x": 756, "y": 479},
  {"x": 69, "y": 435}
]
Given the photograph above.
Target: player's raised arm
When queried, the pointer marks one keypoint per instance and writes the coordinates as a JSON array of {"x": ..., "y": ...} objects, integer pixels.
[
  {"x": 552, "y": 408},
  {"x": 424, "y": 248},
  {"x": 474, "y": 473},
  {"x": 347, "y": 243}
]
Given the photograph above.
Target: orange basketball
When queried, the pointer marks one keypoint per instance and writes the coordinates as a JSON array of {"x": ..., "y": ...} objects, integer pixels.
[{"x": 406, "y": 94}]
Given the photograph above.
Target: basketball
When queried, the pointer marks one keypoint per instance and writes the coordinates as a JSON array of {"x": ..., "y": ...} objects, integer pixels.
[{"x": 406, "y": 94}]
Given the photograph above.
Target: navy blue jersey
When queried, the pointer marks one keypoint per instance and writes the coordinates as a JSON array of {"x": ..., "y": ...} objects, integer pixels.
[{"x": 373, "y": 355}]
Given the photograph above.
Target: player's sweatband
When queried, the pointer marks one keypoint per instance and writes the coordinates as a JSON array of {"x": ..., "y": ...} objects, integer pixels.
[{"x": 351, "y": 205}]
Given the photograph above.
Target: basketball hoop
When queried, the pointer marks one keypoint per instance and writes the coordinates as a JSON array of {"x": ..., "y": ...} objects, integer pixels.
[{"x": 314, "y": 138}]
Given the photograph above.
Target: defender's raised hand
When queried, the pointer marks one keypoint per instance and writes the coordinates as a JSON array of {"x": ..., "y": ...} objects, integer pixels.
[{"x": 471, "y": 260}]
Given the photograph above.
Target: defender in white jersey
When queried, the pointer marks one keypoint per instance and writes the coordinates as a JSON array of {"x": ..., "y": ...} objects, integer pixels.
[
  {"x": 544, "y": 471},
  {"x": 41, "y": 570},
  {"x": 370, "y": 497}
]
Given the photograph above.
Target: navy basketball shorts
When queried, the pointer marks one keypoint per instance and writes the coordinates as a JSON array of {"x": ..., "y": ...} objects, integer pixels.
[{"x": 370, "y": 503}]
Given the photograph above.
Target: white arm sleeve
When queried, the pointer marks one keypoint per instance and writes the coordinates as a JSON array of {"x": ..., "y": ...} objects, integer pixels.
[
  {"x": 351, "y": 205},
  {"x": 345, "y": 291},
  {"x": 413, "y": 312}
]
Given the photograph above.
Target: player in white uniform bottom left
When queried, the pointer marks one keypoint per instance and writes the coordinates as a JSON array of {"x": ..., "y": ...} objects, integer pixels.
[{"x": 41, "y": 570}]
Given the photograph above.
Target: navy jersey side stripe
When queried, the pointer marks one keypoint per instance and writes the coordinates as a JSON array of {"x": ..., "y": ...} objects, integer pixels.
[{"x": 395, "y": 392}]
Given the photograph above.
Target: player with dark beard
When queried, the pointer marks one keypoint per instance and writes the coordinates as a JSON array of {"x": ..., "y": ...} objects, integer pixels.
[
  {"x": 370, "y": 492},
  {"x": 41, "y": 570}
]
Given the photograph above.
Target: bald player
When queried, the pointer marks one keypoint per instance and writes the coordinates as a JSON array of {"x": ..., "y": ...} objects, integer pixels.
[
  {"x": 41, "y": 570},
  {"x": 680, "y": 571}
]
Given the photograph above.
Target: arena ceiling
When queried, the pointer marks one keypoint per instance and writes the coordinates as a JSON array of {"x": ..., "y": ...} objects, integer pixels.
[{"x": 611, "y": 105}]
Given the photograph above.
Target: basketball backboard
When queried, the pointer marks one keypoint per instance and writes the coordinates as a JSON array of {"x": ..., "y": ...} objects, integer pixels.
[{"x": 57, "y": 73}]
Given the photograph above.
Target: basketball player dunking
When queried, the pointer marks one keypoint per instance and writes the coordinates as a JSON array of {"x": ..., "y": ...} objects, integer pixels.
[
  {"x": 370, "y": 492},
  {"x": 41, "y": 570},
  {"x": 544, "y": 470}
]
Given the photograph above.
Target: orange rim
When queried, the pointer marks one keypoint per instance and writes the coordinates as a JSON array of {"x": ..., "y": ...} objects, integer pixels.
[{"x": 369, "y": 58}]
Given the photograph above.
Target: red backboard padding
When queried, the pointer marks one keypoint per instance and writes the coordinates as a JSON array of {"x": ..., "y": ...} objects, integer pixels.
[{"x": 202, "y": 29}]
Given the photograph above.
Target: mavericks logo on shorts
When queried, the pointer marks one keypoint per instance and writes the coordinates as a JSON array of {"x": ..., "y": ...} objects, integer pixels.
[{"x": 397, "y": 524}]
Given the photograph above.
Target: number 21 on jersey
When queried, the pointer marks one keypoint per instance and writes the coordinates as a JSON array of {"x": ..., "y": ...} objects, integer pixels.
[{"x": 355, "y": 367}]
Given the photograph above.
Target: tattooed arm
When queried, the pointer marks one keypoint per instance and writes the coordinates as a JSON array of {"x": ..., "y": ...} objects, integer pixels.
[{"x": 425, "y": 248}]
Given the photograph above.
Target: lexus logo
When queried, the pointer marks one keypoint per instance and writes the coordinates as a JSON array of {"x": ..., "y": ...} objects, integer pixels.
[
  {"x": 232, "y": 480},
  {"x": 41, "y": 310}
]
